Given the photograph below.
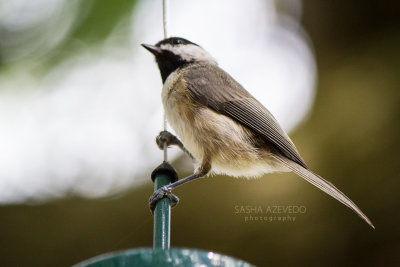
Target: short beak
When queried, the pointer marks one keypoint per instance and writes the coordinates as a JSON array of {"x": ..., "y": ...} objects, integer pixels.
[{"x": 153, "y": 49}]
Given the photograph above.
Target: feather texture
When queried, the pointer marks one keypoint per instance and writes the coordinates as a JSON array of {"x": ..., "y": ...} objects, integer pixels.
[{"x": 214, "y": 88}]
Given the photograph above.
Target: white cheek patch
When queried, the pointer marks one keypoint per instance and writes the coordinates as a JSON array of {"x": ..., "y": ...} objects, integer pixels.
[{"x": 190, "y": 52}]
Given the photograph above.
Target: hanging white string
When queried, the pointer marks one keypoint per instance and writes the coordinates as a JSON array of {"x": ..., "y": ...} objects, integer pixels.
[
  {"x": 165, "y": 28},
  {"x": 165, "y": 17}
]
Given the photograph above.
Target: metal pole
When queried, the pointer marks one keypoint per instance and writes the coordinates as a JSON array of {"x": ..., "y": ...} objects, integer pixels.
[{"x": 162, "y": 175}]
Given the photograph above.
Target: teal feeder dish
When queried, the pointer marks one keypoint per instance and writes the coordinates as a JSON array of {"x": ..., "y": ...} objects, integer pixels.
[{"x": 163, "y": 258}]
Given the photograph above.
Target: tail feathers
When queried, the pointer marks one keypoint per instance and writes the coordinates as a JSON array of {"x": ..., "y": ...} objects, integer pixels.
[{"x": 324, "y": 185}]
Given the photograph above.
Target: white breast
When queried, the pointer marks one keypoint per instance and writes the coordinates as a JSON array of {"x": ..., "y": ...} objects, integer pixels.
[{"x": 231, "y": 151}]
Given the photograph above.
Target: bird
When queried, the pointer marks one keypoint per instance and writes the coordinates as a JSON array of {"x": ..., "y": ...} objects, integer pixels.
[{"x": 220, "y": 125}]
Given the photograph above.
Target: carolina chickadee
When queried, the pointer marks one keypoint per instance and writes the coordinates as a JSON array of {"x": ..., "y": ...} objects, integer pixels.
[{"x": 221, "y": 125}]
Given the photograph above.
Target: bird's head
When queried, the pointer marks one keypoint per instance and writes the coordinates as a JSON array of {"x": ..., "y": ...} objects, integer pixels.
[{"x": 175, "y": 52}]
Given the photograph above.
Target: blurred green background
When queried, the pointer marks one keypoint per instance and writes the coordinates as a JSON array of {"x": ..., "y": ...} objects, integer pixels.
[{"x": 352, "y": 137}]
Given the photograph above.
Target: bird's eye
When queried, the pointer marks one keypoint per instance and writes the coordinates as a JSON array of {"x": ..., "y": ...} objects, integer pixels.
[{"x": 177, "y": 41}]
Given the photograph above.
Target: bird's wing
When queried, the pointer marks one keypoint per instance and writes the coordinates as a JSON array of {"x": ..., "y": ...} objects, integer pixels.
[{"x": 211, "y": 86}]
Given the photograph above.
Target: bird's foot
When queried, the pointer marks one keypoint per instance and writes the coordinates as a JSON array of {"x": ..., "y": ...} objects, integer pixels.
[
  {"x": 164, "y": 191},
  {"x": 167, "y": 138}
]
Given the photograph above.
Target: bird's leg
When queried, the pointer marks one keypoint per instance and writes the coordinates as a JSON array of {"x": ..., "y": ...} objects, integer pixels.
[
  {"x": 168, "y": 138},
  {"x": 166, "y": 190}
]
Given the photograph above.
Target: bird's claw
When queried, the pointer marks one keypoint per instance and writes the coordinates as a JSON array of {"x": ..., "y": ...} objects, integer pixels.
[
  {"x": 165, "y": 137},
  {"x": 164, "y": 191}
]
